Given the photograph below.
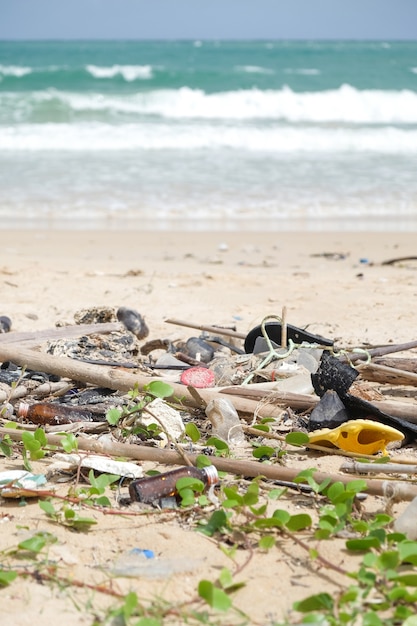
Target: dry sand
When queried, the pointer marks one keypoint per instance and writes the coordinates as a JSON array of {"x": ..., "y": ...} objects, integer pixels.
[{"x": 334, "y": 283}]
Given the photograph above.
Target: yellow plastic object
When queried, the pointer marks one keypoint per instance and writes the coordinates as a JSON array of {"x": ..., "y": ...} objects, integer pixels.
[{"x": 363, "y": 436}]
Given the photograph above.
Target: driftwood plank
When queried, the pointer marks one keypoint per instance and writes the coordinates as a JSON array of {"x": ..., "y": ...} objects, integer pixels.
[{"x": 385, "y": 374}]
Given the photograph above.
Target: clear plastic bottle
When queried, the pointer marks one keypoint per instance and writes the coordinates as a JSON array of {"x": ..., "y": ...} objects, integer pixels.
[
  {"x": 162, "y": 485},
  {"x": 407, "y": 521},
  {"x": 225, "y": 421},
  {"x": 50, "y": 413}
]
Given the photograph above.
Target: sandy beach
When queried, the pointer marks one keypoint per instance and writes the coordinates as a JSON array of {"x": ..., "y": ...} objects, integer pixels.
[{"x": 336, "y": 284}]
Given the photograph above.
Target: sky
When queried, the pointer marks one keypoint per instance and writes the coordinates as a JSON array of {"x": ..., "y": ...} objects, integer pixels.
[{"x": 208, "y": 19}]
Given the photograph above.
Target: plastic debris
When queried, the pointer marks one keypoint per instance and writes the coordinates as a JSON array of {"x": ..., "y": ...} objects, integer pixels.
[
  {"x": 165, "y": 417},
  {"x": 225, "y": 421},
  {"x": 406, "y": 522},
  {"x": 20, "y": 483},
  {"x": 70, "y": 462},
  {"x": 363, "y": 436},
  {"x": 138, "y": 562},
  {"x": 198, "y": 377}
]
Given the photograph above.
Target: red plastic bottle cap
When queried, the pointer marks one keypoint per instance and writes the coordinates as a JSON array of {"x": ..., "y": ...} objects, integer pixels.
[{"x": 198, "y": 377}]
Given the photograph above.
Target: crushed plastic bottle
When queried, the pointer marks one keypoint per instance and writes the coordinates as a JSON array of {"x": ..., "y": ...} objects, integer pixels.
[
  {"x": 225, "y": 421},
  {"x": 407, "y": 521}
]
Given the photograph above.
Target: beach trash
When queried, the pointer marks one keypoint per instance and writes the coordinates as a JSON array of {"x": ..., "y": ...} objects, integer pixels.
[
  {"x": 330, "y": 412},
  {"x": 52, "y": 413},
  {"x": 362, "y": 436},
  {"x": 20, "y": 483},
  {"x": 225, "y": 421},
  {"x": 164, "y": 416},
  {"x": 153, "y": 488},
  {"x": 407, "y": 521},
  {"x": 274, "y": 330},
  {"x": 198, "y": 377}
]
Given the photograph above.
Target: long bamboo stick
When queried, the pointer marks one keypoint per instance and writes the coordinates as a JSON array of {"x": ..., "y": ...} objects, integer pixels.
[
  {"x": 404, "y": 491},
  {"x": 116, "y": 378},
  {"x": 387, "y": 374}
]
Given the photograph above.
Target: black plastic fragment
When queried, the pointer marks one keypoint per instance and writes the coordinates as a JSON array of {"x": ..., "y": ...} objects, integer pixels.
[
  {"x": 333, "y": 374},
  {"x": 330, "y": 412},
  {"x": 273, "y": 331}
]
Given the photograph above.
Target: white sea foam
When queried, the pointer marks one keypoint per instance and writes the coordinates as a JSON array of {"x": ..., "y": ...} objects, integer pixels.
[
  {"x": 128, "y": 72},
  {"x": 277, "y": 139},
  {"x": 14, "y": 70},
  {"x": 254, "y": 69},
  {"x": 345, "y": 105},
  {"x": 303, "y": 71}
]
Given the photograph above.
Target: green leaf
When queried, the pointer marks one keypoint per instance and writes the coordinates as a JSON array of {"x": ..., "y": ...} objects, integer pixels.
[
  {"x": 113, "y": 416},
  {"x": 7, "y": 577},
  {"x": 267, "y": 542},
  {"x": 47, "y": 507},
  {"x": 189, "y": 482},
  {"x": 215, "y": 597},
  {"x": 219, "y": 444},
  {"x": 263, "y": 451},
  {"x": 388, "y": 560},
  {"x": 264, "y": 428},
  {"x": 217, "y": 521},
  {"x": 225, "y": 578},
  {"x": 192, "y": 431},
  {"x": 40, "y": 436},
  {"x": 69, "y": 442},
  {"x": 159, "y": 389},
  {"x": 315, "y": 603},
  {"x": 251, "y": 496},
  {"x": 297, "y": 439},
  {"x": 34, "y": 544},
  {"x": 364, "y": 544},
  {"x": 202, "y": 461},
  {"x": 411, "y": 621},
  {"x": 408, "y": 551},
  {"x": 299, "y": 522}
]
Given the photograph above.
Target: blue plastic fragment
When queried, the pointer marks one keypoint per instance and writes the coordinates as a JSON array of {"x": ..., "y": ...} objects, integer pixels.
[{"x": 148, "y": 554}]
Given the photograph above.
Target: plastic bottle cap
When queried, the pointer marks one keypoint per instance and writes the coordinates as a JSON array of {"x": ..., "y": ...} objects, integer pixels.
[
  {"x": 212, "y": 475},
  {"x": 198, "y": 377}
]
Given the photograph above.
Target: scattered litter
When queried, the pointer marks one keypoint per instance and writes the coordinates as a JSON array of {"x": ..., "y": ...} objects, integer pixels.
[
  {"x": 225, "y": 421},
  {"x": 152, "y": 489},
  {"x": 168, "y": 419},
  {"x": 71, "y": 462},
  {"x": 198, "y": 377},
  {"x": 406, "y": 522},
  {"x": 20, "y": 483},
  {"x": 363, "y": 436},
  {"x": 138, "y": 562}
]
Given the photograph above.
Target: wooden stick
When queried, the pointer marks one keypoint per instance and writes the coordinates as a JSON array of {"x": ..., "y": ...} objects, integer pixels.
[
  {"x": 284, "y": 327},
  {"x": 381, "y": 351},
  {"x": 408, "y": 365},
  {"x": 115, "y": 378},
  {"x": 217, "y": 330},
  {"x": 385, "y": 374},
  {"x": 356, "y": 467},
  {"x": 403, "y": 490},
  {"x": 77, "y": 330}
]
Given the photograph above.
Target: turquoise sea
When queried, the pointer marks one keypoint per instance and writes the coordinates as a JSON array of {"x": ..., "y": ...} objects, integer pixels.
[{"x": 209, "y": 134}]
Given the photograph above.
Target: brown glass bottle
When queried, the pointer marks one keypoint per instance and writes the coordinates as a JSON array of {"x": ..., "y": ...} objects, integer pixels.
[
  {"x": 162, "y": 485},
  {"x": 50, "y": 413}
]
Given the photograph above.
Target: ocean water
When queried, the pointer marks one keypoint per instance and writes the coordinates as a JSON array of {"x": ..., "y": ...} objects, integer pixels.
[{"x": 209, "y": 134}]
